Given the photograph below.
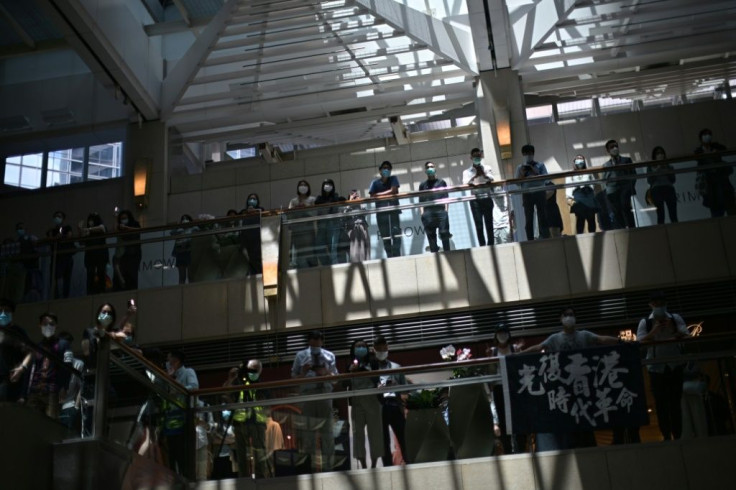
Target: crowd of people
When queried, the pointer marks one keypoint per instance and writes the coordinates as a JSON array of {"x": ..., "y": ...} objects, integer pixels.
[
  {"x": 331, "y": 229},
  {"x": 54, "y": 378}
]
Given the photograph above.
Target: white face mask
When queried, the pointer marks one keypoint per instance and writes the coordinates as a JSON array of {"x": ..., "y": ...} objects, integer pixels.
[
  {"x": 48, "y": 330},
  {"x": 568, "y": 321},
  {"x": 328, "y": 188},
  {"x": 381, "y": 355},
  {"x": 105, "y": 319},
  {"x": 303, "y": 189},
  {"x": 580, "y": 163},
  {"x": 502, "y": 338}
]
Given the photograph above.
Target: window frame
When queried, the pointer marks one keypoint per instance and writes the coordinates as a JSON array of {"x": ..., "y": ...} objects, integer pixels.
[{"x": 44, "y": 169}]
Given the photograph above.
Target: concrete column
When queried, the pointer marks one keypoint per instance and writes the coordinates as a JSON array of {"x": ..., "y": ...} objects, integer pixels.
[
  {"x": 501, "y": 113},
  {"x": 147, "y": 144}
]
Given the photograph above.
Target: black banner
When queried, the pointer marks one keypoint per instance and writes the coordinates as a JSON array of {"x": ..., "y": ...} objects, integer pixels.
[{"x": 576, "y": 390}]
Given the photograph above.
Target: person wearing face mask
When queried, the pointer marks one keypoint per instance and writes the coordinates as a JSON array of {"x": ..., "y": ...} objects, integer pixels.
[
  {"x": 570, "y": 338},
  {"x": 328, "y": 230},
  {"x": 392, "y": 412},
  {"x": 662, "y": 186},
  {"x": 581, "y": 196},
  {"x": 14, "y": 358},
  {"x": 182, "y": 250},
  {"x": 96, "y": 257},
  {"x": 620, "y": 186},
  {"x": 70, "y": 401},
  {"x": 389, "y": 225},
  {"x": 365, "y": 411},
  {"x": 533, "y": 198},
  {"x": 302, "y": 234},
  {"x": 64, "y": 259},
  {"x": 47, "y": 379},
  {"x": 174, "y": 415},
  {"x": 127, "y": 258},
  {"x": 481, "y": 207},
  {"x": 434, "y": 216},
  {"x": 514, "y": 443},
  {"x": 714, "y": 185},
  {"x": 250, "y": 237},
  {"x": 315, "y": 361},
  {"x": 249, "y": 424},
  {"x": 665, "y": 378}
]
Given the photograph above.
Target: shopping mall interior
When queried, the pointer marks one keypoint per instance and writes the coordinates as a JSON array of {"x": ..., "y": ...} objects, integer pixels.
[{"x": 172, "y": 138}]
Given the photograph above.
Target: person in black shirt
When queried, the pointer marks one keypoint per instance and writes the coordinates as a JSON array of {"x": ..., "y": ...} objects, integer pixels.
[
  {"x": 434, "y": 216},
  {"x": 13, "y": 367},
  {"x": 714, "y": 185},
  {"x": 127, "y": 255},
  {"x": 64, "y": 259}
]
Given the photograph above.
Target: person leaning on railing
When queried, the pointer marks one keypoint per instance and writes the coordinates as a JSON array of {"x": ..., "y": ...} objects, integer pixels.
[{"x": 714, "y": 185}]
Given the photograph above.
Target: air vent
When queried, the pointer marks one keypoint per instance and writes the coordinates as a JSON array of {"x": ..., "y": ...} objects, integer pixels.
[
  {"x": 348, "y": 111},
  {"x": 603, "y": 311}
]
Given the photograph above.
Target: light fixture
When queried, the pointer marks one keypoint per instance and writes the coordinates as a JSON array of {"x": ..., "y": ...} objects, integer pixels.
[{"x": 141, "y": 182}]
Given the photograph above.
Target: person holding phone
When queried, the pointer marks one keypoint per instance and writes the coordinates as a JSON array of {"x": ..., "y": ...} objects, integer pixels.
[
  {"x": 534, "y": 197},
  {"x": 314, "y": 362},
  {"x": 366, "y": 410},
  {"x": 665, "y": 378}
]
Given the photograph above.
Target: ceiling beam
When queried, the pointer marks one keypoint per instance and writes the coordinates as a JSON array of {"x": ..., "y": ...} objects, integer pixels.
[
  {"x": 370, "y": 115},
  {"x": 532, "y": 24},
  {"x": 184, "y": 12},
  {"x": 441, "y": 38},
  {"x": 176, "y": 82}
]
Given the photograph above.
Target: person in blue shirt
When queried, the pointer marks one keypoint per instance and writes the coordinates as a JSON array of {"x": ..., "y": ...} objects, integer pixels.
[
  {"x": 388, "y": 222},
  {"x": 534, "y": 194},
  {"x": 434, "y": 216}
]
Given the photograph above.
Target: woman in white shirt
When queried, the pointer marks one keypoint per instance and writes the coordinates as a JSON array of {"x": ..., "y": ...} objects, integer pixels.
[{"x": 581, "y": 197}]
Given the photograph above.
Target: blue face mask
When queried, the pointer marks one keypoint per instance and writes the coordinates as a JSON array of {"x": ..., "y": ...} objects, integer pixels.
[
  {"x": 431, "y": 172},
  {"x": 386, "y": 173},
  {"x": 226, "y": 414},
  {"x": 253, "y": 376},
  {"x": 361, "y": 352},
  {"x": 5, "y": 319},
  {"x": 252, "y": 203}
]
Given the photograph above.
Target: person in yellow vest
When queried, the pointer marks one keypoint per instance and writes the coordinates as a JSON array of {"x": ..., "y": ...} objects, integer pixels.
[{"x": 249, "y": 425}]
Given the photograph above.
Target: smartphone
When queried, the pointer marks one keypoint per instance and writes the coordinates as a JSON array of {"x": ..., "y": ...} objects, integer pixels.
[{"x": 131, "y": 302}]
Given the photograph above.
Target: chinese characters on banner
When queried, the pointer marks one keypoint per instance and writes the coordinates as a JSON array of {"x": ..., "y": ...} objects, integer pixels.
[{"x": 576, "y": 390}]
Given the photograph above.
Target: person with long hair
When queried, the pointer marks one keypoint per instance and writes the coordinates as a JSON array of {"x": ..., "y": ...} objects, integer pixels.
[
  {"x": 662, "y": 185},
  {"x": 302, "y": 234}
]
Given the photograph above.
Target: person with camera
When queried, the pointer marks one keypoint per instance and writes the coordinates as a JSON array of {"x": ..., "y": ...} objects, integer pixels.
[
  {"x": 665, "y": 378},
  {"x": 249, "y": 424},
  {"x": 534, "y": 196},
  {"x": 365, "y": 410},
  {"x": 316, "y": 362}
]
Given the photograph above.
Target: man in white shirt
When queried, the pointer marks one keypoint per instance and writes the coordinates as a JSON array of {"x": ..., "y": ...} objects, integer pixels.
[{"x": 482, "y": 206}]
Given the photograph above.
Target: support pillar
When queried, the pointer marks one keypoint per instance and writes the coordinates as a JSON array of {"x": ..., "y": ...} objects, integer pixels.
[{"x": 502, "y": 119}]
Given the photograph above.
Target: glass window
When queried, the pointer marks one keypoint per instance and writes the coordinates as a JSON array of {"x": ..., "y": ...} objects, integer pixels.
[
  {"x": 24, "y": 170},
  {"x": 610, "y": 105},
  {"x": 578, "y": 108},
  {"x": 540, "y": 114},
  {"x": 105, "y": 161},
  {"x": 65, "y": 167}
]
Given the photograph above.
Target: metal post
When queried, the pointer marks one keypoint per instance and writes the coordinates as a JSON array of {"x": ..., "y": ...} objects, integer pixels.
[
  {"x": 102, "y": 388},
  {"x": 190, "y": 439}
]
